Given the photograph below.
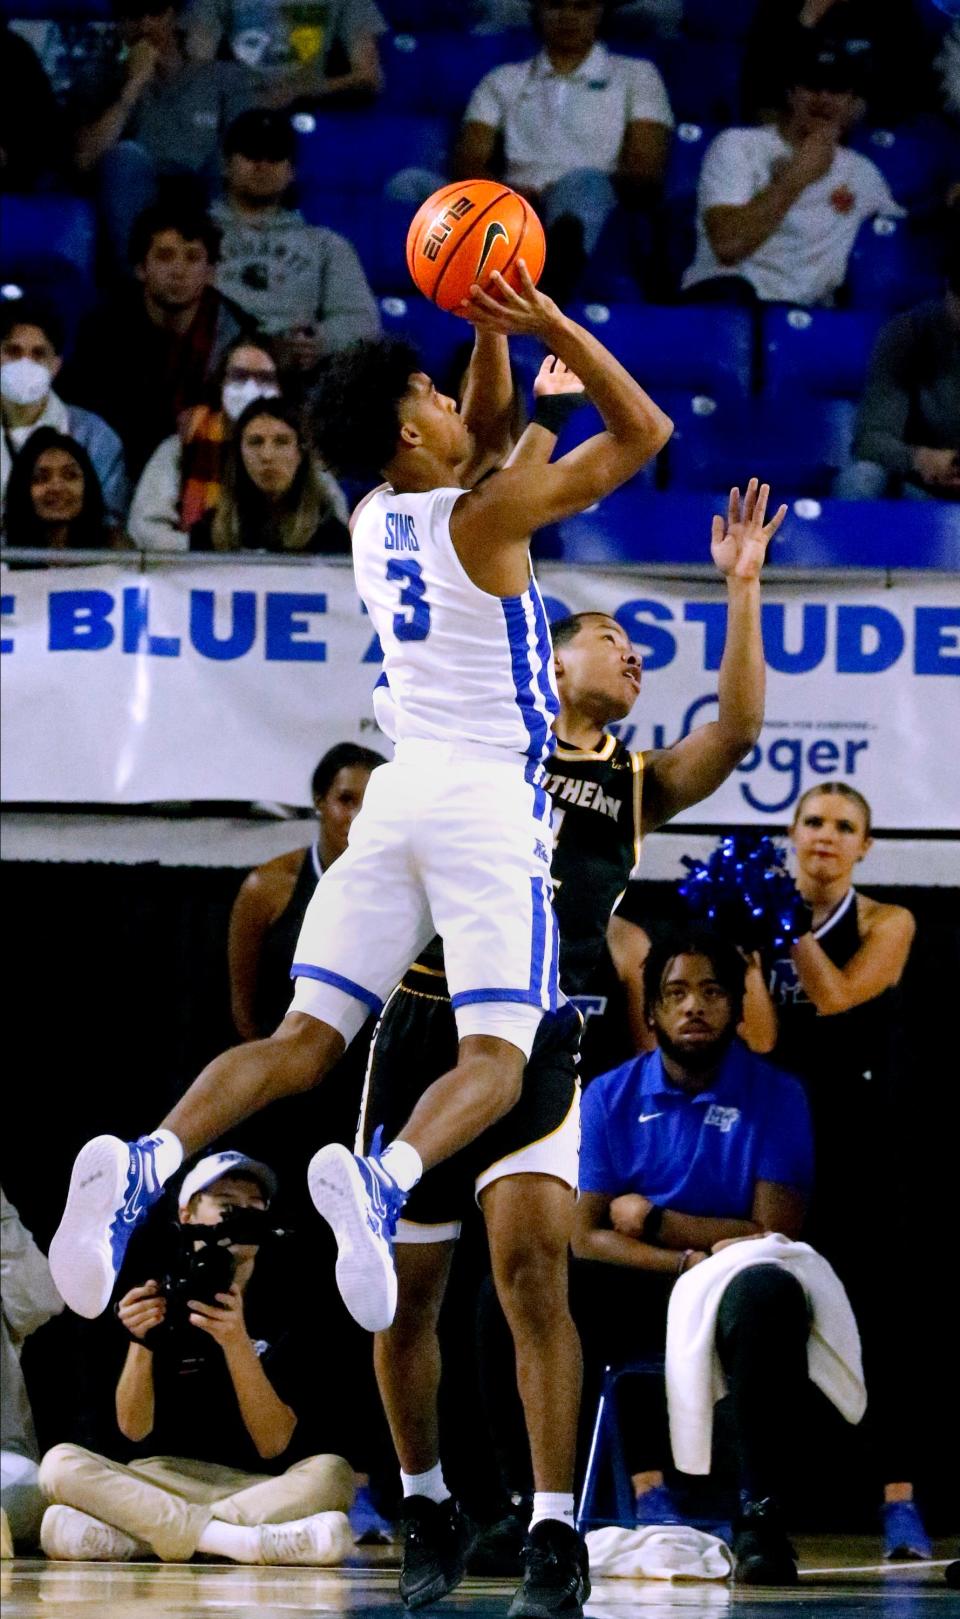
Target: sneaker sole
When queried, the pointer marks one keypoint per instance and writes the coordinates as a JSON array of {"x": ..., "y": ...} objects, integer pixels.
[
  {"x": 422, "y": 1598},
  {"x": 81, "y": 1261},
  {"x": 365, "y": 1272}
]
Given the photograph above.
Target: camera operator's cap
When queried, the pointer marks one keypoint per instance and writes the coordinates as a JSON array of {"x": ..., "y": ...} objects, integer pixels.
[{"x": 216, "y": 1165}]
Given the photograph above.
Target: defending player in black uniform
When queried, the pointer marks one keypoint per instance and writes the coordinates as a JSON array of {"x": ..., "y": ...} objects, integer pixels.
[{"x": 523, "y": 1172}]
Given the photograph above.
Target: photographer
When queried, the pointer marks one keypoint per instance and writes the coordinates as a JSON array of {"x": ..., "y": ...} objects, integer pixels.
[{"x": 221, "y": 1410}]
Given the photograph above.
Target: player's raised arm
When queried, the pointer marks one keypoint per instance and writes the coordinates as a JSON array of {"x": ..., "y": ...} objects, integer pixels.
[
  {"x": 696, "y": 766},
  {"x": 487, "y": 407},
  {"x": 520, "y": 499}
]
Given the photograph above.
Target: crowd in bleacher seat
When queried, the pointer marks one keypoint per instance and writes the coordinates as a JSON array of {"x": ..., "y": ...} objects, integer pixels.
[
  {"x": 300, "y": 283},
  {"x": 276, "y": 496},
  {"x": 54, "y": 501},
  {"x": 179, "y": 178}
]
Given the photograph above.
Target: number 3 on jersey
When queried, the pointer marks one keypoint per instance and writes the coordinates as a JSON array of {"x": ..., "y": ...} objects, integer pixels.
[{"x": 413, "y": 623}]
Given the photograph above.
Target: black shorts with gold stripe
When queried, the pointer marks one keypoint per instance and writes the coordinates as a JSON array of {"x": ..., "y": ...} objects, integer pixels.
[{"x": 414, "y": 1043}]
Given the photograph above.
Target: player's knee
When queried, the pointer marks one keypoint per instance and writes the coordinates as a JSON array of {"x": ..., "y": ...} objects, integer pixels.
[
  {"x": 531, "y": 1281},
  {"x": 56, "y": 1468},
  {"x": 305, "y": 1049}
]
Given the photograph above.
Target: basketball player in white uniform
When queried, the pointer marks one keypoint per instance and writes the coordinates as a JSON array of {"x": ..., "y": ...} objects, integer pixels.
[{"x": 454, "y": 836}]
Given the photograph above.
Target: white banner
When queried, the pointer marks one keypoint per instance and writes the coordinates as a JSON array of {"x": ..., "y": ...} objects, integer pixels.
[{"x": 229, "y": 682}]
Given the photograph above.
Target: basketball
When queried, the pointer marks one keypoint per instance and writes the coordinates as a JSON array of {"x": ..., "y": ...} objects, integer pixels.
[{"x": 464, "y": 232}]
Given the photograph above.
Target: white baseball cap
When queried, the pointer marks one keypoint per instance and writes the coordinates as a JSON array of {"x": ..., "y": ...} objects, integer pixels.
[{"x": 216, "y": 1165}]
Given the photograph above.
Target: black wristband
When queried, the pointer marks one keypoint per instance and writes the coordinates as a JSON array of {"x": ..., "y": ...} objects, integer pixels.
[
  {"x": 553, "y": 411},
  {"x": 652, "y": 1224}
]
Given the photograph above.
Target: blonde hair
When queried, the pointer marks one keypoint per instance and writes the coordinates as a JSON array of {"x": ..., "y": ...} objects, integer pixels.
[{"x": 836, "y": 789}]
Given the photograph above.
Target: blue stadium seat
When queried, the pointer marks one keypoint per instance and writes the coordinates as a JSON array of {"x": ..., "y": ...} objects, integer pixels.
[
  {"x": 69, "y": 10},
  {"x": 915, "y": 160},
  {"x": 718, "y": 19},
  {"x": 797, "y": 447},
  {"x": 700, "y": 349},
  {"x": 823, "y": 352},
  {"x": 47, "y": 227},
  {"x": 891, "y": 267},
  {"x": 702, "y": 78},
  {"x": 437, "y": 72},
  {"x": 440, "y": 339},
  {"x": 687, "y": 150},
  {"x": 363, "y": 150}
]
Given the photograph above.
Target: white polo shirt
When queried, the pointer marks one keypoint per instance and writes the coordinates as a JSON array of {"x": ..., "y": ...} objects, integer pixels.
[
  {"x": 804, "y": 261},
  {"x": 555, "y": 122}
]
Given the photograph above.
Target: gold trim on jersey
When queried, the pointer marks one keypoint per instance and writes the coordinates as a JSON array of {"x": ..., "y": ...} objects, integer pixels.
[
  {"x": 434, "y": 972},
  {"x": 538, "y": 1143},
  {"x": 597, "y": 755},
  {"x": 636, "y": 765}
]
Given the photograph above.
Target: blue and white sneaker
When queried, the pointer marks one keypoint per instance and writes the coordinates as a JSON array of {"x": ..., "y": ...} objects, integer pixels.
[
  {"x": 113, "y": 1185},
  {"x": 360, "y": 1202},
  {"x": 904, "y": 1535}
]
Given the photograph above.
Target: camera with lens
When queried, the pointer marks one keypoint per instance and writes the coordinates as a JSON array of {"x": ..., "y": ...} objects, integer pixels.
[{"x": 203, "y": 1266}]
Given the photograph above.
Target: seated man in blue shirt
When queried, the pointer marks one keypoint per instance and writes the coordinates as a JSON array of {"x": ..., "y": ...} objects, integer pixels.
[{"x": 684, "y": 1148}]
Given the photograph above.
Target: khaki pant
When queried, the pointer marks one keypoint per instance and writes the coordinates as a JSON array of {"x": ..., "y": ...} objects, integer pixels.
[{"x": 167, "y": 1501}]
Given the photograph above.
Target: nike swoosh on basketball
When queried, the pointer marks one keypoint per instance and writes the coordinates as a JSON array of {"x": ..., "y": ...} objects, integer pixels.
[
  {"x": 644, "y": 1118},
  {"x": 493, "y": 233}
]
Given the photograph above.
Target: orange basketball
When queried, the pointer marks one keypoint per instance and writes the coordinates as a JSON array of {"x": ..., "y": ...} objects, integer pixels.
[{"x": 464, "y": 232}]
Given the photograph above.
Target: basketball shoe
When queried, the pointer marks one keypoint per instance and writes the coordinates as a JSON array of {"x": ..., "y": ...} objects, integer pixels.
[
  {"x": 360, "y": 1201},
  {"x": 436, "y": 1541},
  {"x": 556, "y": 1576},
  {"x": 113, "y": 1185}
]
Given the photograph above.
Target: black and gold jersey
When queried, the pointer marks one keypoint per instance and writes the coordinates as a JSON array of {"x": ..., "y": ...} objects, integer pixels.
[{"x": 596, "y": 827}]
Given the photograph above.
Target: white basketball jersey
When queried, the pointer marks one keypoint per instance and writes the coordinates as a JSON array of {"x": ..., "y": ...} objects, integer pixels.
[{"x": 459, "y": 665}]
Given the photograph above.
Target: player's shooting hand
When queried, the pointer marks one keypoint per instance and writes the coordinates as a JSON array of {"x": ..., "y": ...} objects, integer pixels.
[
  {"x": 223, "y": 1320},
  {"x": 142, "y": 1309},
  {"x": 627, "y": 1213},
  {"x": 738, "y": 544},
  {"x": 556, "y": 378},
  {"x": 528, "y": 312}
]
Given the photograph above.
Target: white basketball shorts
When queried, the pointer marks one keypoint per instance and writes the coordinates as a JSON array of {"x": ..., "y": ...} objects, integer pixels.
[{"x": 451, "y": 841}]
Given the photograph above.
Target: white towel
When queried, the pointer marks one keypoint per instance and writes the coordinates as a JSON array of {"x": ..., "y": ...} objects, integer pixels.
[
  {"x": 695, "y": 1379},
  {"x": 659, "y": 1552}
]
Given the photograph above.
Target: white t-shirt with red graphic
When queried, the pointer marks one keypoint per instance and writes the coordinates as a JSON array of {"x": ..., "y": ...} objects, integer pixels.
[{"x": 804, "y": 261}]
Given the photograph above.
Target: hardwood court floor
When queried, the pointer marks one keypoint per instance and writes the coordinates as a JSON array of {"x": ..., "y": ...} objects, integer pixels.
[{"x": 838, "y": 1581}]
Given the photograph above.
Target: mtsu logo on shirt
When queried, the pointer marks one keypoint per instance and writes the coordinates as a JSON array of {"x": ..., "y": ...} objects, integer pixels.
[{"x": 723, "y": 1117}]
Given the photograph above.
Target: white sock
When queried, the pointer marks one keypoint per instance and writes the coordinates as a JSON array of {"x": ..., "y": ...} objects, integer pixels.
[
  {"x": 429, "y": 1484},
  {"x": 167, "y": 1153},
  {"x": 555, "y": 1506},
  {"x": 232, "y": 1540},
  {"x": 404, "y": 1163}
]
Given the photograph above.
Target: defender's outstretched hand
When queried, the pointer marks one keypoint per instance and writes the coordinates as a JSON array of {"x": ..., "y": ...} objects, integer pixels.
[
  {"x": 555, "y": 378},
  {"x": 738, "y": 544},
  {"x": 531, "y": 312}
]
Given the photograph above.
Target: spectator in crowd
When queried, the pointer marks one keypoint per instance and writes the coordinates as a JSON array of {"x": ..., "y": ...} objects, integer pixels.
[
  {"x": 883, "y": 44},
  {"x": 907, "y": 437},
  {"x": 29, "y": 1299},
  {"x": 276, "y": 496},
  {"x": 579, "y": 128},
  {"x": 152, "y": 113},
  {"x": 31, "y": 354},
  {"x": 684, "y": 1148},
  {"x": 270, "y": 906},
  {"x": 836, "y": 997},
  {"x": 33, "y": 145},
  {"x": 226, "y": 1412},
  {"x": 54, "y": 499},
  {"x": 779, "y": 207},
  {"x": 329, "y": 56},
  {"x": 183, "y": 479},
  {"x": 302, "y": 284},
  {"x": 150, "y": 352}
]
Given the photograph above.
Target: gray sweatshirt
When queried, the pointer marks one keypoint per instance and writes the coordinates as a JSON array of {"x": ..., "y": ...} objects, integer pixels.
[
  {"x": 29, "y": 1299},
  {"x": 912, "y": 397},
  {"x": 286, "y": 274}
]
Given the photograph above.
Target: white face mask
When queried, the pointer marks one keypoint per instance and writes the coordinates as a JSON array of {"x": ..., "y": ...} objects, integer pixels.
[
  {"x": 237, "y": 396},
  {"x": 24, "y": 382}
]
